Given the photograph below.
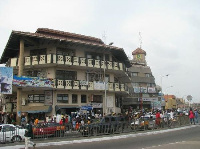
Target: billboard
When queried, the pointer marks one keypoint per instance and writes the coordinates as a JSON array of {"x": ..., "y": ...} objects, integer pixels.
[
  {"x": 6, "y": 78},
  {"x": 25, "y": 81}
]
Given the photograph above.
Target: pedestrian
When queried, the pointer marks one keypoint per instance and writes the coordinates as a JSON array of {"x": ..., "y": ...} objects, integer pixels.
[
  {"x": 63, "y": 120},
  {"x": 29, "y": 135},
  {"x": 171, "y": 115},
  {"x": 196, "y": 116},
  {"x": 23, "y": 121},
  {"x": 66, "y": 120},
  {"x": 158, "y": 118},
  {"x": 36, "y": 121},
  {"x": 191, "y": 116}
]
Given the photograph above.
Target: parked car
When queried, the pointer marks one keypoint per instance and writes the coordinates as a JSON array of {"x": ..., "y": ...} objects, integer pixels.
[
  {"x": 144, "y": 122},
  {"x": 44, "y": 129},
  {"x": 11, "y": 133},
  {"x": 108, "y": 124}
]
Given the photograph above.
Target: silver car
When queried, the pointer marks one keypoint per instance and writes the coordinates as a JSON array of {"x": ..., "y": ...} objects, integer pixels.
[{"x": 11, "y": 133}]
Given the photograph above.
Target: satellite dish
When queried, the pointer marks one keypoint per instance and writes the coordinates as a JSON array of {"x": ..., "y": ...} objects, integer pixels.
[{"x": 189, "y": 97}]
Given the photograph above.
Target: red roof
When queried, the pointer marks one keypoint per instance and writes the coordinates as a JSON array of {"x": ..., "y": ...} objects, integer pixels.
[
  {"x": 66, "y": 35},
  {"x": 138, "y": 51}
]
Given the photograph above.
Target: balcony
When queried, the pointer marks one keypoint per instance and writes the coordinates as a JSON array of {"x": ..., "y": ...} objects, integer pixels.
[
  {"x": 90, "y": 86},
  {"x": 138, "y": 79},
  {"x": 70, "y": 61}
]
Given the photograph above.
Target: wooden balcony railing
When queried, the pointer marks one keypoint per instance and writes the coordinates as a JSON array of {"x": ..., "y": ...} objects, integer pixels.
[
  {"x": 68, "y": 60},
  {"x": 78, "y": 85}
]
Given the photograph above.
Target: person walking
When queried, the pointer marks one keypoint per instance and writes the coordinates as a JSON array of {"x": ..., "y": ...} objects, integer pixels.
[
  {"x": 28, "y": 135},
  {"x": 196, "y": 116},
  {"x": 191, "y": 116},
  {"x": 158, "y": 119}
]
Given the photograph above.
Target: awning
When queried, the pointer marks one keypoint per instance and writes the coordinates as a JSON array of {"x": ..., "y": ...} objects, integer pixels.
[
  {"x": 36, "y": 109},
  {"x": 58, "y": 107}
]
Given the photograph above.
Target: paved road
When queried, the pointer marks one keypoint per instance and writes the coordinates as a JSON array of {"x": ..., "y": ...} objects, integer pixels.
[{"x": 184, "y": 138}]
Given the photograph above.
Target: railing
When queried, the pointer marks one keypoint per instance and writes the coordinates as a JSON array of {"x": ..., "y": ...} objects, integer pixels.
[
  {"x": 51, "y": 130},
  {"x": 76, "y": 84},
  {"x": 69, "y": 60},
  {"x": 134, "y": 125},
  {"x": 11, "y": 133}
]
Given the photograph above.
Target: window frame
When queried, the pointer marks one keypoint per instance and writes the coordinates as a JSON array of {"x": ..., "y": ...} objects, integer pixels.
[
  {"x": 34, "y": 96},
  {"x": 82, "y": 98},
  {"x": 76, "y": 99},
  {"x": 66, "y": 75},
  {"x": 62, "y": 96}
]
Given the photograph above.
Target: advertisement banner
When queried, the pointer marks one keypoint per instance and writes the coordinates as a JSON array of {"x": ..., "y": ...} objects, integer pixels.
[
  {"x": 100, "y": 85},
  {"x": 6, "y": 78},
  {"x": 151, "y": 90},
  {"x": 25, "y": 81}
]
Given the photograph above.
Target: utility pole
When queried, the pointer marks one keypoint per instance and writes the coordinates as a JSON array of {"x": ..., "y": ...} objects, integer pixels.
[{"x": 20, "y": 73}]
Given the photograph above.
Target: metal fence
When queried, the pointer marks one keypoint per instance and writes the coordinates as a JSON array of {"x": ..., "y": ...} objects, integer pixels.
[
  {"x": 11, "y": 133},
  {"x": 52, "y": 130}
]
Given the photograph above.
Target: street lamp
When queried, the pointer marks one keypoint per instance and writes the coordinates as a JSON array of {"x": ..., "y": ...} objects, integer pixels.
[
  {"x": 104, "y": 71},
  {"x": 161, "y": 80}
]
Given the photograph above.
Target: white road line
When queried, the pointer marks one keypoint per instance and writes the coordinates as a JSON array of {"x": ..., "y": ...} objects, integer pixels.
[{"x": 99, "y": 139}]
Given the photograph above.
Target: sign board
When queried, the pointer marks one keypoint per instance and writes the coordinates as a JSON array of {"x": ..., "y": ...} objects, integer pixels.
[
  {"x": 6, "y": 78},
  {"x": 83, "y": 82},
  {"x": 48, "y": 97},
  {"x": 88, "y": 108}
]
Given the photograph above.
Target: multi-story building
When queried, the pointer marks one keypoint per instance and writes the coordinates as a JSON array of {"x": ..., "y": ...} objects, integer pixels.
[
  {"x": 144, "y": 94},
  {"x": 88, "y": 75},
  {"x": 171, "y": 103}
]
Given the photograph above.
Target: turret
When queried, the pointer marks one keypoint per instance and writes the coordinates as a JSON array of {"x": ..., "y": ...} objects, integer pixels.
[{"x": 139, "y": 57}]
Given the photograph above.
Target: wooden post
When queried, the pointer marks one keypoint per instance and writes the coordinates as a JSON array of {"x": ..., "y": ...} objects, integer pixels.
[{"x": 19, "y": 90}]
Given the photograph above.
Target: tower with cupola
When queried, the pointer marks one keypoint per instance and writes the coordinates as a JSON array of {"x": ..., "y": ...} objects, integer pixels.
[{"x": 139, "y": 57}]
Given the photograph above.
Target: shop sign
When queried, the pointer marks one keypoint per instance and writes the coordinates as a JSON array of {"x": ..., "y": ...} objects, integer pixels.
[
  {"x": 148, "y": 99},
  {"x": 48, "y": 99},
  {"x": 97, "y": 105},
  {"x": 88, "y": 108}
]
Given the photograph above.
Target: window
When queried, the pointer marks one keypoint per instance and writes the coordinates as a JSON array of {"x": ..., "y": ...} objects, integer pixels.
[
  {"x": 148, "y": 84},
  {"x": 97, "y": 76},
  {"x": 62, "y": 98},
  {"x": 135, "y": 84},
  {"x": 118, "y": 102},
  {"x": 66, "y": 75},
  {"x": 134, "y": 74},
  {"x": 36, "y": 98},
  {"x": 65, "y": 52},
  {"x": 147, "y": 75},
  {"x": 93, "y": 55},
  {"x": 97, "y": 99},
  {"x": 74, "y": 98},
  {"x": 83, "y": 99},
  {"x": 36, "y": 73},
  {"x": 37, "y": 52}
]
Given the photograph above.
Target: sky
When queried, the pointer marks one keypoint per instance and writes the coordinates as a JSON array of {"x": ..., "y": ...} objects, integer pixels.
[{"x": 169, "y": 32}]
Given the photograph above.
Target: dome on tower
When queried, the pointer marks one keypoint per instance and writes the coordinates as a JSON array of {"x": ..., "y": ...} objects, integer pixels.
[{"x": 138, "y": 51}]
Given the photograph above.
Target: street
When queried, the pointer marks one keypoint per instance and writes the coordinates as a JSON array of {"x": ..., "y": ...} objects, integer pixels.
[{"x": 183, "y": 138}]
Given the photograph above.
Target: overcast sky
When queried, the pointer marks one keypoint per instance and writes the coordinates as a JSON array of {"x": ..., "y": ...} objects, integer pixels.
[{"x": 169, "y": 29}]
